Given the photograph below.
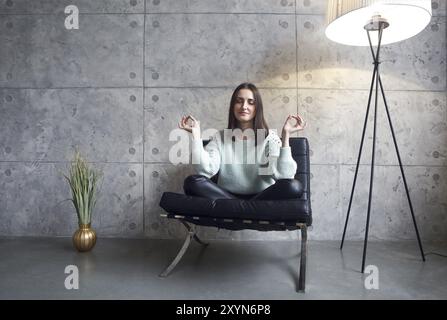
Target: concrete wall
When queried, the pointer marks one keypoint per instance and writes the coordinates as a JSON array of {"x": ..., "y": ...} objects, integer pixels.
[{"x": 120, "y": 83}]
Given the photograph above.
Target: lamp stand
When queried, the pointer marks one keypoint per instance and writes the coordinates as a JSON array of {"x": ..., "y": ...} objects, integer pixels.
[{"x": 377, "y": 24}]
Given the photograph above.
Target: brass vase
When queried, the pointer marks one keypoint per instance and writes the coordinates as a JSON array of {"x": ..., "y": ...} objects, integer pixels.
[{"x": 84, "y": 239}]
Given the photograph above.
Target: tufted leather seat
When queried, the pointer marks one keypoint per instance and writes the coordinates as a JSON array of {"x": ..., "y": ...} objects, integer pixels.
[{"x": 295, "y": 210}]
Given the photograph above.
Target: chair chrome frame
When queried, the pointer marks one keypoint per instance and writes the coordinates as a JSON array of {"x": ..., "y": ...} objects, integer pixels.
[{"x": 192, "y": 235}]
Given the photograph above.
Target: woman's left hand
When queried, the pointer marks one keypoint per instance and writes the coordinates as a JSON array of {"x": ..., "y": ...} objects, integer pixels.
[{"x": 289, "y": 128}]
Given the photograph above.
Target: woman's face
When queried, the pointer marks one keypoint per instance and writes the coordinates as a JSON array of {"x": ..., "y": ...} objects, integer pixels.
[{"x": 244, "y": 108}]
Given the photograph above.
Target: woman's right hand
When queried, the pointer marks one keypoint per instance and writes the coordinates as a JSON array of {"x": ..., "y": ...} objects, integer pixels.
[{"x": 192, "y": 126}]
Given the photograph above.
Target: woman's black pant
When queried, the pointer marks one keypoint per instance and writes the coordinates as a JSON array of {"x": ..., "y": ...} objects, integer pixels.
[{"x": 201, "y": 186}]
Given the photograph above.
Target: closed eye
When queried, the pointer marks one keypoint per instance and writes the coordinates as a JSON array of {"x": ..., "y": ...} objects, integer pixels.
[{"x": 241, "y": 100}]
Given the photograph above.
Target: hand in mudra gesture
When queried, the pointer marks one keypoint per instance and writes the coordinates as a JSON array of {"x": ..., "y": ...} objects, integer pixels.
[
  {"x": 289, "y": 127},
  {"x": 189, "y": 123}
]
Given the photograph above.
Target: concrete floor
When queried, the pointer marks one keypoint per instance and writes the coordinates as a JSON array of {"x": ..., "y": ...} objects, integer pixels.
[{"x": 33, "y": 268}]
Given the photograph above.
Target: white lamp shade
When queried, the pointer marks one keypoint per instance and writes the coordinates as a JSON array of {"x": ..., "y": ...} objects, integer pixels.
[{"x": 346, "y": 20}]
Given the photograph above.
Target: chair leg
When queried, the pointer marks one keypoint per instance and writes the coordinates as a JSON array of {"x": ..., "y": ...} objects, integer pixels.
[
  {"x": 179, "y": 255},
  {"x": 191, "y": 235},
  {"x": 195, "y": 237},
  {"x": 302, "y": 277},
  {"x": 200, "y": 241}
]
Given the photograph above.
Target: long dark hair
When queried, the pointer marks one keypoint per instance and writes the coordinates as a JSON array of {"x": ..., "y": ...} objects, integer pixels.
[{"x": 259, "y": 120}]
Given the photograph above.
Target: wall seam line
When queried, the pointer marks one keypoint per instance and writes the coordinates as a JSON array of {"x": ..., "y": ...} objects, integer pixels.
[{"x": 144, "y": 112}]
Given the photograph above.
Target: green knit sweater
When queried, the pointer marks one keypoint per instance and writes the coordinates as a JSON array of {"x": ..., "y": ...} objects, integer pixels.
[{"x": 243, "y": 168}]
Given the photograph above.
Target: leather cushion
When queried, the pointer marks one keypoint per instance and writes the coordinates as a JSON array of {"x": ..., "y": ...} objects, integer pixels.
[{"x": 296, "y": 210}]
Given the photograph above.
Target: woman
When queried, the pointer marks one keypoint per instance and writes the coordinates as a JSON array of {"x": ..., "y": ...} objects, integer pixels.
[{"x": 238, "y": 178}]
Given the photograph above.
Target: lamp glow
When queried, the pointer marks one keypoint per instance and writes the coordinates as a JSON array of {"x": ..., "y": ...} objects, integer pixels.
[{"x": 346, "y": 19}]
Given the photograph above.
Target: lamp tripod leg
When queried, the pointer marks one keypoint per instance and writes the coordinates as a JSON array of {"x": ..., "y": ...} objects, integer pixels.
[
  {"x": 371, "y": 179},
  {"x": 359, "y": 156},
  {"x": 402, "y": 171}
]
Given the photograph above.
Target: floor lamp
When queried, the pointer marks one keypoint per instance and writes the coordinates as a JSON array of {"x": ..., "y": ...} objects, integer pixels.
[{"x": 374, "y": 23}]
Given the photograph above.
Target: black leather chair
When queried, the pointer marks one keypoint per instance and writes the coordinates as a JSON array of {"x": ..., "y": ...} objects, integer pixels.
[{"x": 238, "y": 214}]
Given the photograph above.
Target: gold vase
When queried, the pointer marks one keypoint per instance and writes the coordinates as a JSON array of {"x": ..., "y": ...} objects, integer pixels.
[{"x": 84, "y": 239}]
